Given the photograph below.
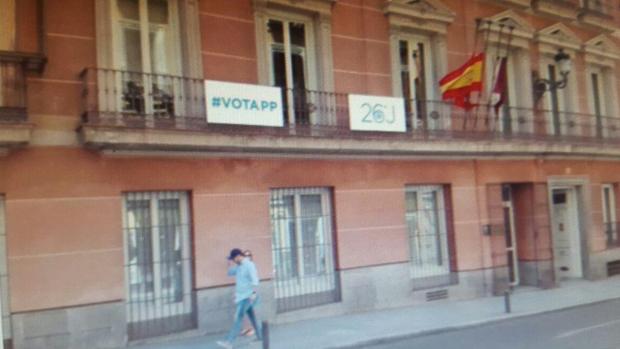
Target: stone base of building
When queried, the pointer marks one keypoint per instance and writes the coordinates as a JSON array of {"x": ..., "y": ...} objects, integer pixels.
[
  {"x": 94, "y": 326},
  {"x": 364, "y": 289},
  {"x": 537, "y": 274},
  {"x": 601, "y": 264}
]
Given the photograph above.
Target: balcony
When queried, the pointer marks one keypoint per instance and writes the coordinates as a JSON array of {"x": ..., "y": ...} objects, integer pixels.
[
  {"x": 599, "y": 14},
  {"x": 138, "y": 112},
  {"x": 15, "y": 131}
]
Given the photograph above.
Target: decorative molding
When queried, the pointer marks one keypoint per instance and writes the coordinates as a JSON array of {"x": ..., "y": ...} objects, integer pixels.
[
  {"x": 427, "y": 15},
  {"x": 557, "y": 8},
  {"x": 557, "y": 36},
  {"x": 522, "y": 32},
  {"x": 522, "y": 4},
  {"x": 322, "y": 7},
  {"x": 598, "y": 20},
  {"x": 601, "y": 50}
]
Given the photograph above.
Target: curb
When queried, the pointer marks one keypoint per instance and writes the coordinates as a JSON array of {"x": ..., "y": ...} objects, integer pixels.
[{"x": 496, "y": 320}]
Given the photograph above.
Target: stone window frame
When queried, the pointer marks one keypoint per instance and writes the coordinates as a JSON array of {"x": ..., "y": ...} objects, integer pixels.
[
  {"x": 188, "y": 27},
  {"x": 320, "y": 13},
  {"x": 428, "y": 19},
  {"x": 550, "y": 39},
  {"x": 602, "y": 54},
  {"x": 520, "y": 46}
]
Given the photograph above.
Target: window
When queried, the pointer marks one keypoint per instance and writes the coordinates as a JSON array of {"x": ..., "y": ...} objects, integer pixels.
[
  {"x": 597, "y": 95},
  {"x": 293, "y": 45},
  {"x": 303, "y": 252},
  {"x": 147, "y": 51},
  {"x": 428, "y": 233},
  {"x": 507, "y": 118},
  {"x": 609, "y": 215},
  {"x": 560, "y": 120},
  {"x": 417, "y": 74},
  {"x": 158, "y": 262},
  {"x": 292, "y": 65}
]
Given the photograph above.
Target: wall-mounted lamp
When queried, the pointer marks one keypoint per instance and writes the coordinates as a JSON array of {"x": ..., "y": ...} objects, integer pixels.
[{"x": 563, "y": 61}]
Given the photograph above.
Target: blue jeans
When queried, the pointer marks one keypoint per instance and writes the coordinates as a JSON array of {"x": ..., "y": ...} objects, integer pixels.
[{"x": 244, "y": 307}]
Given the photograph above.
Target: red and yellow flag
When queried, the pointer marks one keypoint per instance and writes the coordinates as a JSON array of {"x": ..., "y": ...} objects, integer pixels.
[{"x": 458, "y": 85}]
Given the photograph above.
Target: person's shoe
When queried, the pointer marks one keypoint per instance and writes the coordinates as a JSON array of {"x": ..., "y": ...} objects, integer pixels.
[{"x": 225, "y": 344}]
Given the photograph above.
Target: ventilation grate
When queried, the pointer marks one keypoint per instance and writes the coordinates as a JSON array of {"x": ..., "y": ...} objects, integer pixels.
[
  {"x": 613, "y": 268},
  {"x": 436, "y": 295}
]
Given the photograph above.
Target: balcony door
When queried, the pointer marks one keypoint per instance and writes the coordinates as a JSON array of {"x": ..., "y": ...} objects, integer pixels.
[
  {"x": 559, "y": 120},
  {"x": 417, "y": 82},
  {"x": 597, "y": 95},
  {"x": 147, "y": 57},
  {"x": 292, "y": 66}
]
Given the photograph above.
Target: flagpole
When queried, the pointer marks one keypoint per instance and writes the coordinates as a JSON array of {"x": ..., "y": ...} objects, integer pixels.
[
  {"x": 508, "y": 41},
  {"x": 473, "y": 52},
  {"x": 485, "y": 46},
  {"x": 496, "y": 61},
  {"x": 485, "y": 42}
]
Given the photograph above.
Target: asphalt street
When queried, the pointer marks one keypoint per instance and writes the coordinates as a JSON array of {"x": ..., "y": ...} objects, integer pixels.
[{"x": 588, "y": 327}]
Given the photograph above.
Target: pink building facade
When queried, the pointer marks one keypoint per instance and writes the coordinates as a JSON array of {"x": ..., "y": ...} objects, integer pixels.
[{"x": 121, "y": 196}]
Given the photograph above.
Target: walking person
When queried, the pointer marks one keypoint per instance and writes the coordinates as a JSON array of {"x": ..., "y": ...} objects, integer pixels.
[
  {"x": 246, "y": 284},
  {"x": 248, "y": 328}
]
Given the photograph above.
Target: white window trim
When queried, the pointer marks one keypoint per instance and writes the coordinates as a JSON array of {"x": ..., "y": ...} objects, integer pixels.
[
  {"x": 302, "y": 285},
  {"x": 612, "y": 203},
  {"x": 148, "y": 312},
  {"x": 427, "y": 270},
  {"x": 567, "y": 97},
  {"x": 518, "y": 64},
  {"x": 318, "y": 16},
  {"x": 190, "y": 59},
  {"x": 173, "y": 54},
  {"x": 311, "y": 66},
  {"x": 608, "y": 93}
]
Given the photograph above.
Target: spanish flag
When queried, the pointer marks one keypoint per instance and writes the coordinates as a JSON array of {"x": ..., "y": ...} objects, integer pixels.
[{"x": 458, "y": 85}]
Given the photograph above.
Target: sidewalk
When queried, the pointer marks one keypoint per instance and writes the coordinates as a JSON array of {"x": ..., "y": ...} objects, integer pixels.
[{"x": 353, "y": 331}]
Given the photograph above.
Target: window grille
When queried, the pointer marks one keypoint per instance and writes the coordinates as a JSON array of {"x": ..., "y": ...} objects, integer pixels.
[
  {"x": 430, "y": 242},
  {"x": 303, "y": 251},
  {"x": 160, "y": 299}
]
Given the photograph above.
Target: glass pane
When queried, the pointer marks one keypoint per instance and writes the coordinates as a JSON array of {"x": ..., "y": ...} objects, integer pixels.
[
  {"x": 411, "y": 201},
  {"x": 299, "y": 73},
  {"x": 158, "y": 42},
  {"x": 129, "y": 9},
  {"x": 285, "y": 237},
  {"x": 139, "y": 248},
  {"x": 132, "y": 49},
  {"x": 170, "y": 249},
  {"x": 420, "y": 74},
  {"x": 431, "y": 239},
  {"x": 314, "y": 251},
  {"x": 278, "y": 69},
  {"x": 412, "y": 216},
  {"x": 158, "y": 11},
  {"x": 403, "y": 48},
  {"x": 276, "y": 31},
  {"x": 607, "y": 202},
  {"x": 297, "y": 32}
]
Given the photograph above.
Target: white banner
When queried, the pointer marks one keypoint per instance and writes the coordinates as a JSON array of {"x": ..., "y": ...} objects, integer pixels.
[
  {"x": 373, "y": 113},
  {"x": 243, "y": 104}
]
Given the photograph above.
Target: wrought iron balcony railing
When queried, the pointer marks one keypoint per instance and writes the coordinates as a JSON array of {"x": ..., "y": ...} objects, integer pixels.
[
  {"x": 153, "y": 101},
  {"x": 12, "y": 89}
]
